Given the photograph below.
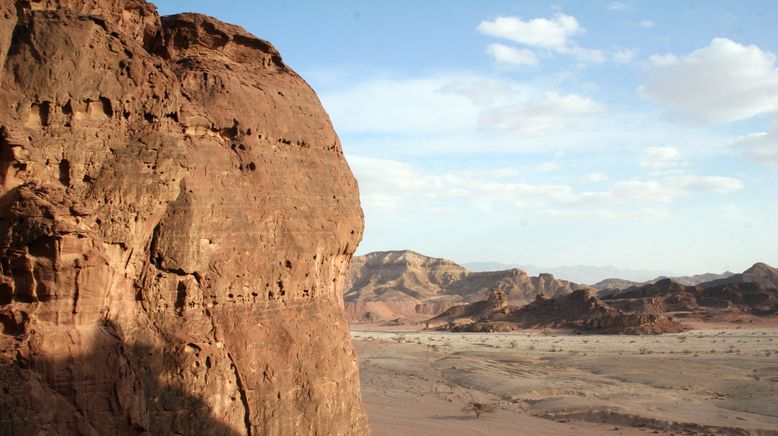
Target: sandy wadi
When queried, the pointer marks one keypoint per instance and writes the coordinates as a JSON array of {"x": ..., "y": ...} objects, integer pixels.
[{"x": 710, "y": 381}]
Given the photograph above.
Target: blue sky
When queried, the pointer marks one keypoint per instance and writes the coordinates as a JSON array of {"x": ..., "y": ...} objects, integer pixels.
[{"x": 640, "y": 134}]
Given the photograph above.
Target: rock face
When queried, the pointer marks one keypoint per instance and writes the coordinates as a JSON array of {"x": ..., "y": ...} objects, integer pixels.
[
  {"x": 177, "y": 220},
  {"x": 407, "y": 285}
]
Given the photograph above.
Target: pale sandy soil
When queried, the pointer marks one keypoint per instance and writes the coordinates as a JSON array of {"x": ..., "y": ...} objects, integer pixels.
[{"x": 711, "y": 381}]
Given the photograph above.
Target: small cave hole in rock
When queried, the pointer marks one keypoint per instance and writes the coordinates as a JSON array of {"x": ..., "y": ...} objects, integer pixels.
[
  {"x": 43, "y": 109},
  {"x": 208, "y": 362},
  {"x": 64, "y": 172},
  {"x": 67, "y": 110},
  {"x": 288, "y": 263},
  {"x": 107, "y": 107},
  {"x": 252, "y": 166},
  {"x": 180, "y": 298}
]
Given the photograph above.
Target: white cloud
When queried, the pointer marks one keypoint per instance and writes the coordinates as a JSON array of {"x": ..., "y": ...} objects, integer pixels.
[
  {"x": 592, "y": 178},
  {"x": 455, "y": 105},
  {"x": 647, "y": 24},
  {"x": 760, "y": 147},
  {"x": 618, "y": 6},
  {"x": 722, "y": 82},
  {"x": 482, "y": 91},
  {"x": 661, "y": 157},
  {"x": 552, "y": 34},
  {"x": 715, "y": 184},
  {"x": 655, "y": 191},
  {"x": 511, "y": 56},
  {"x": 389, "y": 184},
  {"x": 400, "y": 187},
  {"x": 553, "y": 110},
  {"x": 624, "y": 56}
]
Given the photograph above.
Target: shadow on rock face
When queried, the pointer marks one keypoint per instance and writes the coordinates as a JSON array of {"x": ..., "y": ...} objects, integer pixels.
[{"x": 108, "y": 390}]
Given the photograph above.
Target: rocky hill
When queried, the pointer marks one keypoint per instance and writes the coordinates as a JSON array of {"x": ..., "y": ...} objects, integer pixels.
[
  {"x": 580, "y": 310},
  {"x": 176, "y": 223},
  {"x": 407, "y": 285},
  {"x": 614, "y": 284},
  {"x": 611, "y": 285},
  {"x": 752, "y": 292},
  {"x": 760, "y": 273}
]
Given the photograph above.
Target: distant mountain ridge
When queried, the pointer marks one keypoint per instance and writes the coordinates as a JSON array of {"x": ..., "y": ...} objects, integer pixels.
[
  {"x": 619, "y": 284},
  {"x": 397, "y": 284},
  {"x": 578, "y": 273}
]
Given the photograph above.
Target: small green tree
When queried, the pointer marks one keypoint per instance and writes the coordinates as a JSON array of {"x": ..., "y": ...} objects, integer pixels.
[{"x": 479, "y": 408}]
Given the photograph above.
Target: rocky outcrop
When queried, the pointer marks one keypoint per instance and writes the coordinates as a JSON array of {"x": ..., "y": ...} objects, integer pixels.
[
  {"x": 580, "y": 310},
  {"x": 760, "y": 273},
  {"x": 177, "y": 220},
  {"x": 409, "y": 286},
  {"x": 734, "y": 296}
]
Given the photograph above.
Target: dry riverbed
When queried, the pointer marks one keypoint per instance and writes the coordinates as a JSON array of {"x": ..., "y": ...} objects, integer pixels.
[{"x": 709, "y": 381}]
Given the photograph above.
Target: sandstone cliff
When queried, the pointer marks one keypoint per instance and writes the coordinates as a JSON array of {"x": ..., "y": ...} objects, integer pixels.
[
  {"x": 407, "y": 285},
  {"x": 176, "y": 223}
]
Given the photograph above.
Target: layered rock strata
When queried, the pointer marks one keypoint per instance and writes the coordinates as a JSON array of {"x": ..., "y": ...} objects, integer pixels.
[{"x": 176, "y": 222}]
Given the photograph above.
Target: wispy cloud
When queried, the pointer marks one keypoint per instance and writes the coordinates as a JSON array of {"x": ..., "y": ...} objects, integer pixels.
[
  {"x": 661, "y": 157},
  {"x": 553, "y": 110},
  {"x": 512, "y": 57},
  {"x": 624, "y": 56},
  {"x": 760, "y": 147},
  {"x": 392, "y": 185},
  {"x": 619, "y": 6},
  {"x": 453, "y": 104}
]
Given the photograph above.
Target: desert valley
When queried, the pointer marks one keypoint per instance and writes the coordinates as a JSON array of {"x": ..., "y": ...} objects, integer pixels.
[{"x": 686, "y": 355}]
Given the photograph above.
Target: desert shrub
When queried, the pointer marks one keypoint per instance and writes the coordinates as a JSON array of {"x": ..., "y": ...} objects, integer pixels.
[{"x": 479, "y": 408}]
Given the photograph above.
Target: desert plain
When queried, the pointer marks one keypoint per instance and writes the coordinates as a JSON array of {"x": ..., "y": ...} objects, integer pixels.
[{"x": 718, "y": 379}]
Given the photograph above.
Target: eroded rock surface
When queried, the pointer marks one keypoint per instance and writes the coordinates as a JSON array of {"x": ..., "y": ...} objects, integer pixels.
[{"x": 176, "y": 223}]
